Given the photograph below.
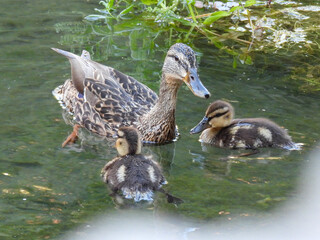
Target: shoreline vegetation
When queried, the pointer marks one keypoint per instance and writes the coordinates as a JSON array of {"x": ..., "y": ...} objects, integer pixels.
[{"x": 240, "y": 29}]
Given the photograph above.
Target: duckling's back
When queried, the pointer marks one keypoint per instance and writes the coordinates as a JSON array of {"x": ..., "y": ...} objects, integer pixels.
[
  {"x": 253, "y": 133},
  {"x": 136, "y": 176}
]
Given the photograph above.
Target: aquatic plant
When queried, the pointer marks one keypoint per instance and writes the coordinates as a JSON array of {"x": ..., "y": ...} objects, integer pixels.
[
  {"x": 182, "y": 20},
  {"x": 237, "y": 28}
]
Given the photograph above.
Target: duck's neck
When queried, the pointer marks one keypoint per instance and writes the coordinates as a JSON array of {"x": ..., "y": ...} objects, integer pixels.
[
  {"x": 159, "y": 125},
  {"x": 168, "y": 94}
]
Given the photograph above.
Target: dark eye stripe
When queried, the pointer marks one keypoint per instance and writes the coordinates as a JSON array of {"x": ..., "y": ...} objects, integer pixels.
[
  {"x": 217, "y": 115},
  {"x": 182, "y": 63},
  {"x": 175, "y": 57}
]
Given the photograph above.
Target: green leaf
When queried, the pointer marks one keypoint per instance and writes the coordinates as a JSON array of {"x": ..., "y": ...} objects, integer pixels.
[
  {"x": 245, "y": 59},
  {"x": 217, "y": 43},
  {"x": 94, "y": 17},
  {"x": 191, "y": 2},
  {"x": 108, "y": 5},
  {"x": 235, "y": 8},
  {"x": 249, "y": 3},
  {"x": 149, "y": 2},
  {"x": 234, "y": 65},
  {"x": 248, "y": 60},
  {"x": 125, "y": 11},
  {"x": 216, "y": 16}
]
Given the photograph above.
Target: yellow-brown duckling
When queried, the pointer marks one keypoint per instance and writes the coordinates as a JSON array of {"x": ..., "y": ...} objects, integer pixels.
[
  {"x": 133, "y": 174},
  {"x": 220, "y": 129}
]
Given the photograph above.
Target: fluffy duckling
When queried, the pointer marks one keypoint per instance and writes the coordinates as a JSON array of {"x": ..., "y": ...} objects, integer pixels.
[
  {"x": 219, "y": 128},
  {"x": 133, "y": 174}
]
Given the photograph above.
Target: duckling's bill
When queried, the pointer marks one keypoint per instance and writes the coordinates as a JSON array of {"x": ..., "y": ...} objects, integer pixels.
[
  {"x": 202, "y": 125},
  {"x": 193, "y": 82}
]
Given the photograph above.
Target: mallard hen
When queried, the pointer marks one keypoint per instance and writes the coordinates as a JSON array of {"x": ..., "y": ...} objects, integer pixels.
[{"x": 102, "y": 99}]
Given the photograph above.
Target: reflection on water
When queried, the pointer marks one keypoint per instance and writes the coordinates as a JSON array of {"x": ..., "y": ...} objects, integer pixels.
[{"x": 47, "y": 190}]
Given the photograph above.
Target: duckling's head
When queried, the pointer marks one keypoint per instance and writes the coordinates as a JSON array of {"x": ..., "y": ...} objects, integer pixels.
[
  {"x": 218, "y": 115},
  {"x": 128, "y": 142},
  {"x": 181, "y": 65}
]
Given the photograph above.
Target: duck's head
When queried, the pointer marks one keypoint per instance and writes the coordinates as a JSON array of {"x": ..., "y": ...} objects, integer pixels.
[
  {"x": 128, "y": 142},
  {"x": 181, "y": 65},
  {"x": 219, "y": 114}
]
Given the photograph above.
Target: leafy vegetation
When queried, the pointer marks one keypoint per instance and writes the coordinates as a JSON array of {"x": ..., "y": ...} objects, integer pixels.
[
  {"x": 239, "y": 29},
  {"x": 181, "y": 20},
  {"x": 236, "y": 28}
]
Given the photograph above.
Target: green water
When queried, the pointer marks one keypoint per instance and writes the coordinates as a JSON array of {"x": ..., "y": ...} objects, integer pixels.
[{"x": 47, "y": 190}]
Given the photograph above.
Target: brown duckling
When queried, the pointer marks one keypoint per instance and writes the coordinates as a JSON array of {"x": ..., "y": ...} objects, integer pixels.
[
  {"x": 219, "y": 128},
  {"x": 133, "y": 174}
]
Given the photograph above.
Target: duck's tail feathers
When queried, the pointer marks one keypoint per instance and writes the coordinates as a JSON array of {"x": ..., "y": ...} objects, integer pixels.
[
  {"x": 68, "y": 55},
  {"x": 170, "y": 198},
  {"x": 138, "y": 195}
]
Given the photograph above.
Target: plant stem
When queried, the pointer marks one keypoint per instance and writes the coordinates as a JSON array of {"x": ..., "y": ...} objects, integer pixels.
[{"x": 192, "y": 13}]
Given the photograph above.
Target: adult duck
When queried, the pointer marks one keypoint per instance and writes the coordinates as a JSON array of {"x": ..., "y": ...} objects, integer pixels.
[{"x": 102, "y": 99}]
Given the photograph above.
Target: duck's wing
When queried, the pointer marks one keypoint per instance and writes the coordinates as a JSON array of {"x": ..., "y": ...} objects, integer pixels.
[
  {"x": 87, "y": 116},
  {"x": 111, "y": 104},
  {"x": 83, "y": 67},
  {"x": 140, "y": 93}
]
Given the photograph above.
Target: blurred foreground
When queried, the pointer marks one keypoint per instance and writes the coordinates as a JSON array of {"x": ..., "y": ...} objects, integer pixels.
[{"x": 298, "y": 219}]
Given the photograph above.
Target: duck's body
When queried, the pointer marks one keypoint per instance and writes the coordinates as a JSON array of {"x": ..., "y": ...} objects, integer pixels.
[
  {"x": 220, "y": 129},
  {"x": 136, "y": 177},
  {"x": 132, "y": 174},
  {"x": 103, "y": 99}
]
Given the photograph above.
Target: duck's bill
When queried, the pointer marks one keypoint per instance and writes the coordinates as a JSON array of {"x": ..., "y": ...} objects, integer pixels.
[
  {"x": 202, "y": 125},
  {"x": 193, "y": 82}
]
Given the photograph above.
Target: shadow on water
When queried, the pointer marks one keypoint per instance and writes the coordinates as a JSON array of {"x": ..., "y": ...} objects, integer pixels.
[{"x": 47, "y": 190}]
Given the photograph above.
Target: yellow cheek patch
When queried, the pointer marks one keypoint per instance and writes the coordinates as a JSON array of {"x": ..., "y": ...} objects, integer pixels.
[
  {"x": 187, "y": 78},
  {"x": 122, "y": 147}
]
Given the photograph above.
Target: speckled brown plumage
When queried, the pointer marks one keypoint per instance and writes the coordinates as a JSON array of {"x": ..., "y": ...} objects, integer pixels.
[
  {"x": 220, "y": 129},
  {"x": 103, "y": 99}
]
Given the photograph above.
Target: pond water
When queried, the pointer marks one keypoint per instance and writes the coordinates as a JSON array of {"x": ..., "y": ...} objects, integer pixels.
[{"x": 47, "y": 190}]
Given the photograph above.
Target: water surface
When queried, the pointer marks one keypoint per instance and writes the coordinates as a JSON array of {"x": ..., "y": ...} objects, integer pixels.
[{"x": 47, "y": 190}]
